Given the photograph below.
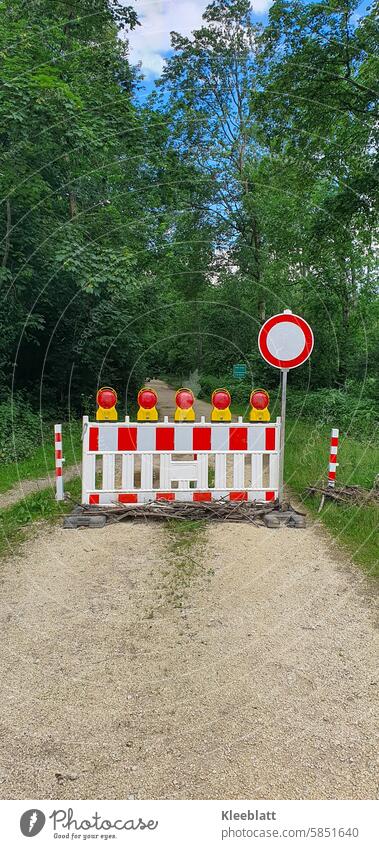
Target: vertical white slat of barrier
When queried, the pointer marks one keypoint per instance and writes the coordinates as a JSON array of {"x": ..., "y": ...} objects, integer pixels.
[
  {"x": 127, "y": 469},
  {"x": 274, "y": 471},
  {"x": 88, "y": 465},
  {"x": 108, "y": 482},
  {"x": 220, "y": 471},
  {"x": 165, "y": 472},
  {"x": 127, "y": 472},
  {"x": 238, "y": 471},
  {"x": 257, "y": 471},
  {"x": 146, "y": 472},
  {"x": 202, "y": 465}
]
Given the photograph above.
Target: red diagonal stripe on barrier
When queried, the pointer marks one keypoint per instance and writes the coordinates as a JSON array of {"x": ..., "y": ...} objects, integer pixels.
[
  {"x": 238, "y": 496},
  {"x": 270, "y": 496},
  {"x": 333, "y": 458},
  {"x": 94, "y": 499},
  {"x": 165, "y": 496},
  {"x": 202, "y": 496},
  {"x": 128, "y": 498}
]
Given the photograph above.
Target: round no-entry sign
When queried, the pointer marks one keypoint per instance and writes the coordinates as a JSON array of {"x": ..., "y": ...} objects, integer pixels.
[{"x": 285, "y": 340}]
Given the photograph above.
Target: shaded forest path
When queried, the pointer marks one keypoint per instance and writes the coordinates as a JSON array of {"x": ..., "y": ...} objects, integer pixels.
[{"x": 160, "y": 662}]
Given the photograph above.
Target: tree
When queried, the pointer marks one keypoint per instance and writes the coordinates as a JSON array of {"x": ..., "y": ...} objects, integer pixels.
[{"x": 209, "y": 81}]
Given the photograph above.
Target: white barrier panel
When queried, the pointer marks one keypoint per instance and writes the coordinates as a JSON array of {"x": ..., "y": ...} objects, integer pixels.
[{"x": 198, "y": 461}]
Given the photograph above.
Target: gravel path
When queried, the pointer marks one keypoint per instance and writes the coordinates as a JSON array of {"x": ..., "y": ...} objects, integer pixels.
[
  {"x": 23, "y": 488},
  {"x": 241, "y": 662}
]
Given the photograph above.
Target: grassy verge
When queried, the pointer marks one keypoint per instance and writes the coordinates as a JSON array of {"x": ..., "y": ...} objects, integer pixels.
[
  {"x": 42, "y": 460},
  {"x": 306, "y": 462},
  {"x": 19, "y": 522}
]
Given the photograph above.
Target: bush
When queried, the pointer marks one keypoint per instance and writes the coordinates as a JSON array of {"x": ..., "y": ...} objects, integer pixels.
[
  {"x": 20, "y": 430},
  {"x": 351, "y": 410},
  {"x": 352, "y": 414}
]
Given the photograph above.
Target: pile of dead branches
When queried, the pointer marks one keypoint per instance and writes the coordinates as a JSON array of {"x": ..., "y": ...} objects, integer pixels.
[
  {"x": 355, "y": 495},
  {"x": 216, "y": 511}
]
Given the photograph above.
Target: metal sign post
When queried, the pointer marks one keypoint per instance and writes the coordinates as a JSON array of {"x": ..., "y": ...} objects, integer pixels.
[
  {"x": 282, "y": 434},
  {"x": 285, "y": 341}
]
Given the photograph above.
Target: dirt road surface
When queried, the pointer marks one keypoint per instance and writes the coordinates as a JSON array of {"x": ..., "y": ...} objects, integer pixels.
[{"x": 231, "y": 662}]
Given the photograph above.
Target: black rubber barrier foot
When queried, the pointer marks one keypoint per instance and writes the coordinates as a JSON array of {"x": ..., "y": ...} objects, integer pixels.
[
  {"x": 83, "y": 521},
  {"x": 286, "y": 518}
]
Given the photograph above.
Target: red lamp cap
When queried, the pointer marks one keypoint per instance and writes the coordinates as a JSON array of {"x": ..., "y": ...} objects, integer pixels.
[
  {"x": 221, "y": 399},
  {"x": 106, "y": 398},
  {"x": 259, "y": 399},
  {"x": 147, "y": 398},
  {"x": 184, "y": 399}
]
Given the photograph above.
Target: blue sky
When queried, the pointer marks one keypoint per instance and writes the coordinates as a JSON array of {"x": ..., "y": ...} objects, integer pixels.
[{"x": 150, "y": 42}]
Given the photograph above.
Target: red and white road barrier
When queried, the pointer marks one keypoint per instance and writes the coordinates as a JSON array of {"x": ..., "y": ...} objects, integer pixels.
[
  {"x": 59, "y": 493},
  {"x": 182, "y": 454},
  {"x": 333, "y": 457}
]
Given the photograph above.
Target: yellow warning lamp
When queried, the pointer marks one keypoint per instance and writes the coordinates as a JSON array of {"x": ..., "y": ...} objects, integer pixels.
[
  {"x": 147, "y": 400},
  {"x": 184, "y": 412},
  {"x": 221, "y": 401},
  {"x": 106, "y": 400},
  {"x": 259, "y": 400}
]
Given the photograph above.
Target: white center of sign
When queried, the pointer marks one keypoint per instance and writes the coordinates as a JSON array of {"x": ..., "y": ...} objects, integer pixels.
[{"x": 285, "y": 340}]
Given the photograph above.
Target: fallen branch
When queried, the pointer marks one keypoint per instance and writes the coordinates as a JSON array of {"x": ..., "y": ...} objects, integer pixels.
[
  {"x": 344, "y": 494},
  {"x": 218, "y": 511}
]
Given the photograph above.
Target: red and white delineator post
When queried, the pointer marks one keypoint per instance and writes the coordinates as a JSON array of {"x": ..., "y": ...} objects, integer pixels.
[
  {"x": 181, "y": 452},
  {"x": 333, "y": 457},
  {"x": 59, "y": 493}
]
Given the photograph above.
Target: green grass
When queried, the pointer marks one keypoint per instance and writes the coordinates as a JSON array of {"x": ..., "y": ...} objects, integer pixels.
[
  {"x": 306, "y": 463},
  {"x": 42, "y": 461},
  {"x": 19, "y": 522}
]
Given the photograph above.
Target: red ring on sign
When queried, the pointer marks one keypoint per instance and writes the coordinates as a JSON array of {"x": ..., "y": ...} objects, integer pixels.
[{"x": 292, "y": 319}]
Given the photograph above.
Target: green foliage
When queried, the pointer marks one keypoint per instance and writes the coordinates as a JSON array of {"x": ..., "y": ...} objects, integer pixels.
[
  {"x": 352, "y": 412},
  {"x": 150, "y": 237},
  {"x": 39, "y": 453},
  {"x": 20, "y": 430}
]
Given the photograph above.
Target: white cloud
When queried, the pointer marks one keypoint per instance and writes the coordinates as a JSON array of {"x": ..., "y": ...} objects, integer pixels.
[
  {"x": 261, "y": 6},
  {"x": 150, "y": 42}
]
